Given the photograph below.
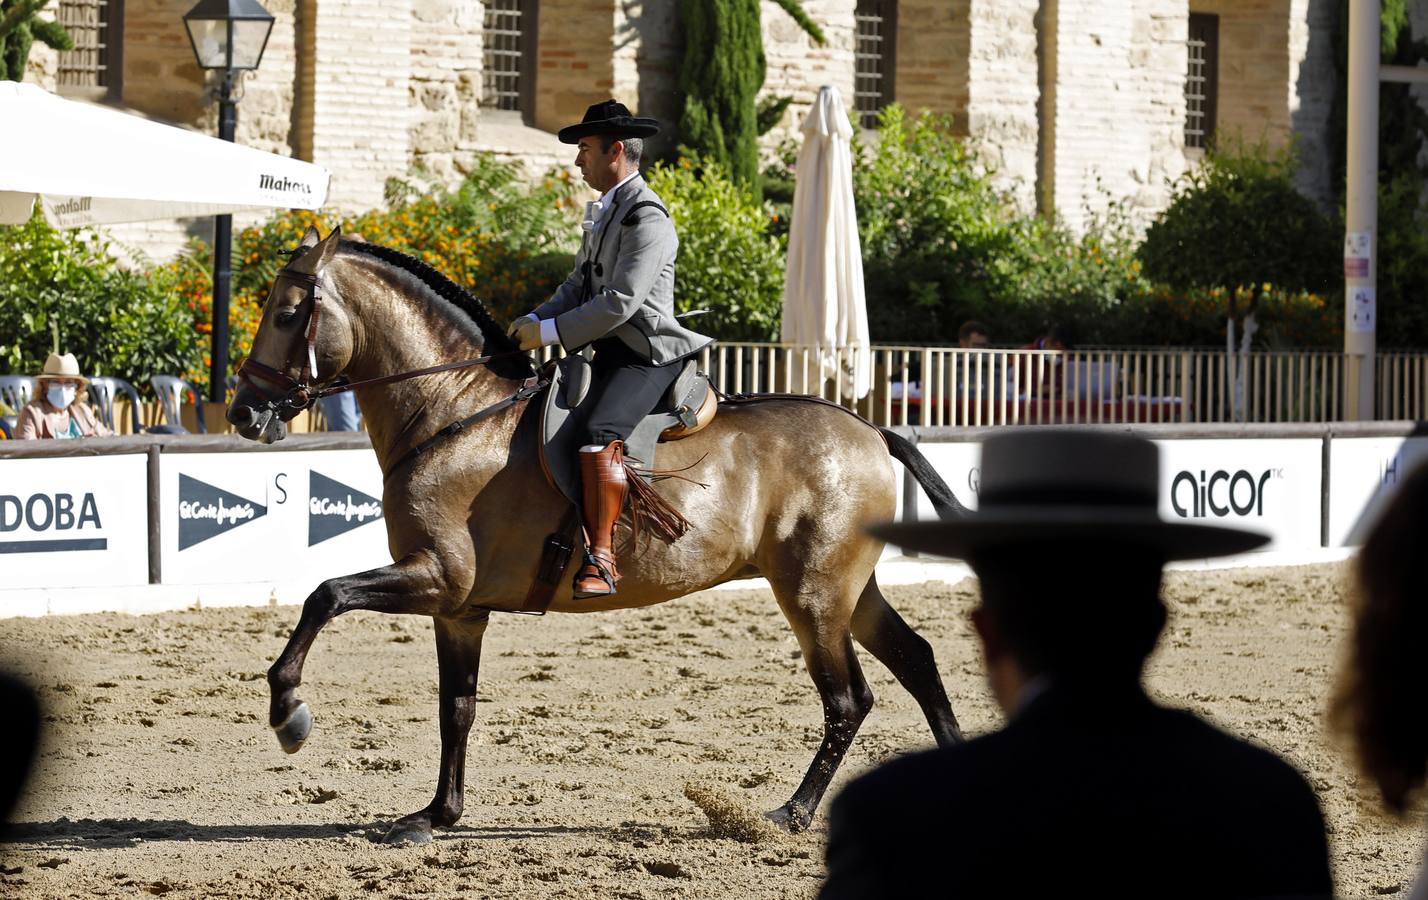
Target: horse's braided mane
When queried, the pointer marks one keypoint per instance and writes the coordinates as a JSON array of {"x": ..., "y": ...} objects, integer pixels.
[{"x": 495, "y": 337}]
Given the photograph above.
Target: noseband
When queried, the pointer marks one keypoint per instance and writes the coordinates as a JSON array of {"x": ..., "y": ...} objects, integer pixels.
[{"x": 298, "y": 393}]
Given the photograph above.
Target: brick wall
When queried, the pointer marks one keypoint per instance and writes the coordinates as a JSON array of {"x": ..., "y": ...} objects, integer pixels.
[
  {"x": 361, "y": 97},
  {"x": 933, "y": 50},
  {"x": 575, "y": 53},
  {"x": 161, "y": 77},
  {"x": 649, "y": 49}
]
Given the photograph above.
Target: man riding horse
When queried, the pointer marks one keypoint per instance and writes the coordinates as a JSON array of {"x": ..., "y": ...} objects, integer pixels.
[{"x": 619, "y": 301}]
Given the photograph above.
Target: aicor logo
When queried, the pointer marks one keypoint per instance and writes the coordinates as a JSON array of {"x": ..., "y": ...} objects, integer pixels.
[{"x": 1220, "y": 493}]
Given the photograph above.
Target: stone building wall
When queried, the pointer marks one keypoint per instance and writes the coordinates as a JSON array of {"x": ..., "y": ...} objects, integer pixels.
[
  {"x": 1115, "y": 78},
  {"x": 446, "y": 66},
  {"x": 797, "y": 67},
  {"x": 1002, "y": 70},
  {"x": 933, "y": 49}
]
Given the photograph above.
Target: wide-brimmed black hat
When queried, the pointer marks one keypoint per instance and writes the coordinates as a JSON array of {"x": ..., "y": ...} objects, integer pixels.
[
  {"x": 1050, "y": 485},
  {"x": 612, "y": 118}
]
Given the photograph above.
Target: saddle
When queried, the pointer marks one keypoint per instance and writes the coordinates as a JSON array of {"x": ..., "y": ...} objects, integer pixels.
[{"x": 687, "y": 407}]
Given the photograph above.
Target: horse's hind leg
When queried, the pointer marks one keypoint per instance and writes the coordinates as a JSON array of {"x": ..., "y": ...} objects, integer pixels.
[
  {"x": 821, "y": 623},
  {"x": 879, "y": 628},
  {"x": 409, "y": 586},
  {"x": 458, "y": 656}
]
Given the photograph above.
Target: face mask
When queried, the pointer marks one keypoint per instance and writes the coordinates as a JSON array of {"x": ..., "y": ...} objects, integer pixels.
[{"x": 61, "y": 395}]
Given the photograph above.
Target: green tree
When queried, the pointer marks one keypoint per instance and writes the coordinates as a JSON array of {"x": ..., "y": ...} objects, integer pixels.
[
  {"x": 20, "y": 27},
  {"x": 723, "y": 72}
]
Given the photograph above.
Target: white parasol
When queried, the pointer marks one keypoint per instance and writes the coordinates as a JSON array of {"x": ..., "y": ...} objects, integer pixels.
[
  {"x": 90, "y": 165},
  {"x": 823, "y": 299}
]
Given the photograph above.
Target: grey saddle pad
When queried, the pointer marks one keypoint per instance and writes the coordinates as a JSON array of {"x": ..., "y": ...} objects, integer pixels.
[{"x": 563, "y": 420}]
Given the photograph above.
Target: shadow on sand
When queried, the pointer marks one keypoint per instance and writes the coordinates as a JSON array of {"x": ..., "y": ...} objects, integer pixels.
[{"x": 92, "y": 834}]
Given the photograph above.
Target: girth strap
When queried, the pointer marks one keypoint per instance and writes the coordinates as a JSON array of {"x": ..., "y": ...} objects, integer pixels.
[{"x": 528, "y": 389}]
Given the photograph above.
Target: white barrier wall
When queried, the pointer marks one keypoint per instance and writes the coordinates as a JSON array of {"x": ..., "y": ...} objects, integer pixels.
[
  {"x": 1363, "y": 475},
  {"x": 74, "y": 522},
  {"x": 278, "y": 516},
  {"x": 1271, "y": 485}
]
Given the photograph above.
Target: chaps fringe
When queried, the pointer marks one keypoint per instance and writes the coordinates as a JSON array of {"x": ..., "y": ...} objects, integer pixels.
[{"x": 649, "y": 510}]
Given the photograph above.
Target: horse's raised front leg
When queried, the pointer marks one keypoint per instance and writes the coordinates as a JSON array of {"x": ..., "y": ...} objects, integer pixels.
[
  {"x": 458, "y": 656},
  {"x": 415, "y": 585}
]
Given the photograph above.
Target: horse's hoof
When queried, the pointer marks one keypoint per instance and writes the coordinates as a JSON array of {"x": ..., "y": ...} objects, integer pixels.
[
  {"x": 408, "y": 833},
  {"x": 293, "y": 732},
  {"x": 791, "y": 818}
]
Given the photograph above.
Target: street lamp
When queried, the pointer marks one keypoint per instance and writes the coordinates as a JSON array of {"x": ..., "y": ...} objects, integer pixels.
[{"x": 230, "y": 36}]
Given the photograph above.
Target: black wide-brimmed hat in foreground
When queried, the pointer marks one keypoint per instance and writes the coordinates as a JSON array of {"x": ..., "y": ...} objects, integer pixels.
[
  {"x": 1051, "y": 485},
  {"x": 612, "y": 118}
]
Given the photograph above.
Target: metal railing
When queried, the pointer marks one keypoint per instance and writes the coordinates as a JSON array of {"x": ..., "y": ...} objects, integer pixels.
[{"x": 949, "y": 386}]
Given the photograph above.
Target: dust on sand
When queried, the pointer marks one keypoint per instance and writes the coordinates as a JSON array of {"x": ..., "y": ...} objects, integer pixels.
[{"x": 160, "y": 777}]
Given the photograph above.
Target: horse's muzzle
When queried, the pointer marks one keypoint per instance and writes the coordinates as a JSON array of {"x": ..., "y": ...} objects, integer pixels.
[{"x": 256, "y": 424}]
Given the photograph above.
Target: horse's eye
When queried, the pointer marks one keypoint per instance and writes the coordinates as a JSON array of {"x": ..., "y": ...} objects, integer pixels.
[{"x": 286, "y": 317}]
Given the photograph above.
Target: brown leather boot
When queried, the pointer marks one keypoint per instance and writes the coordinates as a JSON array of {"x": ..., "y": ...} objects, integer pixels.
[{"x": 602, "y": 475}]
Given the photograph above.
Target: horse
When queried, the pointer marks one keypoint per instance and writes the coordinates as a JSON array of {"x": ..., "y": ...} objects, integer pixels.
[{"x": 780, "y": 488}]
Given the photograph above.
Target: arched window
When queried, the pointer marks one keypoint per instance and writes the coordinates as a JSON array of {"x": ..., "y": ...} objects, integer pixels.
[
  {"x": 509, "y": 33},
  {"x": 92, "y": 69},
  {"x": 874, "y": 58}
]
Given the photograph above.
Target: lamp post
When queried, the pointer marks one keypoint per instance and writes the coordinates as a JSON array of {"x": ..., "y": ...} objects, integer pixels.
[{"x": 229, "y": 36}]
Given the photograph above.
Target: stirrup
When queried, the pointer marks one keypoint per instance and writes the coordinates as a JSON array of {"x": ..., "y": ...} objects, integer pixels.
[{"x": 601, "y": 571}]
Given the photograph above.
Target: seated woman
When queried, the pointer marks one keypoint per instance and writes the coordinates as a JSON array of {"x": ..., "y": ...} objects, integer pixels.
[{"x": 58, "y": 412}]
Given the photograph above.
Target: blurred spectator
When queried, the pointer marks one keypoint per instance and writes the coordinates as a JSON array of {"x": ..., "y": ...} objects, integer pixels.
[
  {"x": 973, "y": 335},
  {"x": 1040, "y": 376},
  {"x": 1091, "y": 786},
  {"x": 342, "y": 412},
  {"x": 60, "y": 410},
  {"x": 1384, "y": 679}
]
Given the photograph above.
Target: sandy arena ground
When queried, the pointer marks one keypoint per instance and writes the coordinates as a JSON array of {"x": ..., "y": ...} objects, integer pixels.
[{"x": 160, "y": 777}]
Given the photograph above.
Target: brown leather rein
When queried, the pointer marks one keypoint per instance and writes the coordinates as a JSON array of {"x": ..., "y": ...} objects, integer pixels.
[{"x": 299, "y": 393}]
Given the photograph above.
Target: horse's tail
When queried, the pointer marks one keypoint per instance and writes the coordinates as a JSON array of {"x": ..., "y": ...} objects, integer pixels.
[{"x": 905, "y": 452}]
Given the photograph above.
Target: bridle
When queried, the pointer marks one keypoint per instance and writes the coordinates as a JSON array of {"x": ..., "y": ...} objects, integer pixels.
[{"x": 296, "y": 394}]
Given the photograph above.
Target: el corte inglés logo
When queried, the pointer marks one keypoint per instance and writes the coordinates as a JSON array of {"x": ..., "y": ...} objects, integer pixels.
[
  {"x": 205, "y": 511},
  {"x": 333, "y": 508}
]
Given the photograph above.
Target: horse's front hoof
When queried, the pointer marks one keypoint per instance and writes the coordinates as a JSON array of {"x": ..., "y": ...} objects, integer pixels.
[
  {"x": 404, "y": 832},
  {"x": 791, "y": 817},
  {"x": 293, "y": 731}
]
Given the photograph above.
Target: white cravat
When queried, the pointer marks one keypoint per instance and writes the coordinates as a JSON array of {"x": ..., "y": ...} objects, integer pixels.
[
  {"x": 596, "y": 210},
  {"x": 595, "y": 213}
]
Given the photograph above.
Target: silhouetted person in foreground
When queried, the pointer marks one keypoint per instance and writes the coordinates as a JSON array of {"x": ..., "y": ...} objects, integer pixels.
[
  {"x": 18, "y": 741},
  {"x": 1380, "y": 698},
  {"x": 1091, "y": 789}
]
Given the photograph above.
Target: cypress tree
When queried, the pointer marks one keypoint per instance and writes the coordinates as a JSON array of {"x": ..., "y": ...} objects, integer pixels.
[
  {"x": 723, "y": 71},
  {"x": 19, "y": 29}
]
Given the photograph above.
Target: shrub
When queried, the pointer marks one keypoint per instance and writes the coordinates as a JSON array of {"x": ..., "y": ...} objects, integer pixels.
[
  {"x": 729, "y": 262},
  {"x": 65, "y": 287},
  {"x": 1237, "y": 220}
]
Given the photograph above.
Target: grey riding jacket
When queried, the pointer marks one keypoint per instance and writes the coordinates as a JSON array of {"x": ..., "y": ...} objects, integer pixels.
[{"x": 623, "y": 283}]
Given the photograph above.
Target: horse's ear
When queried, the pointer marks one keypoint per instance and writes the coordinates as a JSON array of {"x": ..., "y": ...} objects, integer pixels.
[
  {"x": 327, "y": 249},
  {"x": 310, "y": 238}
]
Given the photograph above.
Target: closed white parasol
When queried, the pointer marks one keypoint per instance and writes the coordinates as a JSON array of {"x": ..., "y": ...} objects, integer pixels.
[
  {"x": 823, "y": 299},
  {"x": 90, "y": 165}
]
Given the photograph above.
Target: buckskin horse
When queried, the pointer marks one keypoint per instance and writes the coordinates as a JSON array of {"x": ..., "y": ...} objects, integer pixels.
[{"x": 787, "y": 486}]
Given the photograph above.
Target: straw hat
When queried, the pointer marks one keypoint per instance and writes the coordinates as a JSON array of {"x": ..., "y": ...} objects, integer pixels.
[
  {"x": 1047, "y": 485},
  {"x": 62, "y": 365}
]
